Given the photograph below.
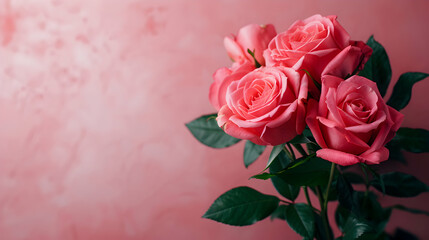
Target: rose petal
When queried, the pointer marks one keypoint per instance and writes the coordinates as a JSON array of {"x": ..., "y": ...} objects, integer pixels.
[
  {"x": 280, "y": 134},
  {"x": 233, "y": 49},
  {"x": 340, "y": 34},
  {"x": 397, "y": 119},
  {"x": 256, "y": 38},
  {"x": 375, "y": 157},
  {"x": 338, "y": 157},
  {"x": 313, "y": 123},
  {"x": 364, "y": 128},
  {"x": 223, "y": 120},
  {"x": 338, "y": 138}
]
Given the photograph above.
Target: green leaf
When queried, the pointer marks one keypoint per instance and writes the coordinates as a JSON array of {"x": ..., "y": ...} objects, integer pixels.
[
  {"x": 378, "y": 66},
  {"x": 312, "y": 147},
  {"x": 281, "y": 158},
  {"x": 286, "y": 190},
  {"x": 263, "y": 176},
  {"x": 274, "y": 153},
  {"x": 300, "y": 149},
  {"x": 411, "y": 210},
  {"x": 345, "y": 194},
  {"x": 308, "y": 134},
  {"x": 241, "y": 206},
  {"x": 414, "y": 140},
  {"x": 378, "y": 179},
  {"x": 401, "y": 185},
  {"x": 355, "y": 228},
  {"x": 401, "y": 234},
  {"x": 353, "y": 178},
  {"x": 300, "y": 139},
  {"x": 372, "y": 211},
  {"x": 320, "y": 233},
  {"x": 380, "y": 221},
  {"x": 251, "y": 152},
  {"x": 381, "y": 236},
  {"x": 341, "y": 216},
  {"x": 307, "y": 171},
  {"x": 395, "y": 152},
  {"x": 401, "y": 94},
  {"x": 206, "y": 130},
  {"x": 279, "y": 213},
  {"x": 368, "y": 211},
  {"x": 301, "y": 219},
  {"x": 333, "y": 193},
  {"x": 252, "y": 53}
]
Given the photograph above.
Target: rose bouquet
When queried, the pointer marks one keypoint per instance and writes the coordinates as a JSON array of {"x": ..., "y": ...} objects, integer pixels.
[{"x": 316, "y": 97}]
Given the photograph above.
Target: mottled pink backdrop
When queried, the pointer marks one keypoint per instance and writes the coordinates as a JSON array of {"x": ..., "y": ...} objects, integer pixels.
[{"x": 93, "y": 100}]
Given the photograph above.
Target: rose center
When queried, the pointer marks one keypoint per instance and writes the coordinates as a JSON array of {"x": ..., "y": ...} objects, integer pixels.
[
  {"x": 258, "y": 93},
  {"x": 358, "y": 105}
]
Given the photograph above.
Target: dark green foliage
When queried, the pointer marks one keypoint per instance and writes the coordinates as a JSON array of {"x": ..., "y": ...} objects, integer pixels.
[
  {"x": 206, "y": 130},
  {"x": 242, "y": 206}
]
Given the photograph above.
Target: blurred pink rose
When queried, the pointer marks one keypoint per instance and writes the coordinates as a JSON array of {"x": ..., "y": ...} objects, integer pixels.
[
  {"x": 351, "y": 122},
  {"x": 319, "y": 45},
  {"x": 254, "y": 37},
  {"x": 266, "y": 106},
  {"x": 223, "y": 77}
]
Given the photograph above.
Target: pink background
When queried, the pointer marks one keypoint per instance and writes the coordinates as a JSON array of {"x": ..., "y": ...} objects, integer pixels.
[{"x": 93, "y": 100}]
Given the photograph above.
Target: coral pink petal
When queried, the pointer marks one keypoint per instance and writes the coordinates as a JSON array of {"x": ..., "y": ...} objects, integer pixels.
[
  {"x": 375, "y": 157},
  {"x": 338, "y": 157},
  {"x": 344, "y": 63},
  {"x": 233, "y": 49},
  {"x": 313, "y": 123}
]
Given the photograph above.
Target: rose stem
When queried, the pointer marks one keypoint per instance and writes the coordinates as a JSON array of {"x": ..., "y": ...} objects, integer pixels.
[
  {"x": 323, "y": 213},
  {"x": 366, "y": 185},
  {"x": 331, "y": 177},
  {"x": 307, "y": 197}
]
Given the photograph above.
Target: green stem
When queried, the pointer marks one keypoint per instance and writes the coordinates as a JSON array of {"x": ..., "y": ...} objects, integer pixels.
[
  {"x": 366, "y": 177},
  {"x": 307, "y": 197},
  {"x": 324, "y": 206},
  {"x": 328, "y": 188},
  {"x": 323, "y": 213},
  {"x": 366, "y": 186}
]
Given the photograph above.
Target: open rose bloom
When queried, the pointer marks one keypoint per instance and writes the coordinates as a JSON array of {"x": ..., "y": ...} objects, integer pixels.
[
  {"x": 266, "y": 106},
  {"x": 351, "y": 122},
  {"x": 314, "y": 95},
  {"x": 319, "y": 45},
  {"x": 223, "y": 77}
]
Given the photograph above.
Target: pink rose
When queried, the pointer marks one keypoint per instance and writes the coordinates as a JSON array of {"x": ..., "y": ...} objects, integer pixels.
[
  {"x": 223, "y": 77},
  {"x": 351, "y": 122},
  {"x": 349, "y": 61},
  {"x": 319, "y": 45},
  {"x": 266, "y": 106},
  {"x": 254, "y": 37}
]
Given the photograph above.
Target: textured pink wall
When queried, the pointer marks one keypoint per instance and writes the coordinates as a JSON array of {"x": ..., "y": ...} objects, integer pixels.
[{"x": 93, "y": 100}]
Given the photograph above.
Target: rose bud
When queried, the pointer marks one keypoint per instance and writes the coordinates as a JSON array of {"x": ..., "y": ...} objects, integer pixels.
[{"x": 253, "y": 37}]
